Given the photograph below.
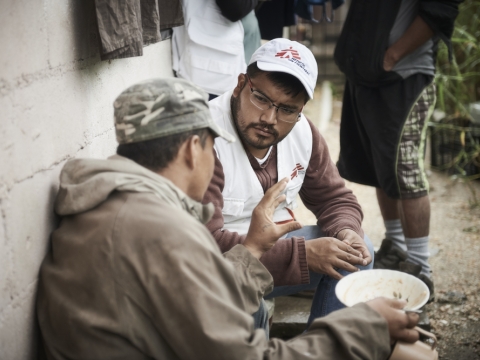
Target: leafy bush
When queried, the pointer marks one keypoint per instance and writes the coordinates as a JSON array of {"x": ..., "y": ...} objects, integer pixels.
[
  {"x": 458, "y": 82},
  {"x": 458, "y": 85}
]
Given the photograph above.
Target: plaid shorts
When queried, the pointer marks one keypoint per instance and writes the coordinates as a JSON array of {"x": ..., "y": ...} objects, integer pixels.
[
  {"x": 410, "y": 166},
  {"x": 382, "y": 135}
]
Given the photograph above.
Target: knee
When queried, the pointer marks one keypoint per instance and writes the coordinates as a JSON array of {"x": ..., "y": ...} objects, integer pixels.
[
  {"x": 371, "y": 251},
  {"x": 260, "y": 318}
]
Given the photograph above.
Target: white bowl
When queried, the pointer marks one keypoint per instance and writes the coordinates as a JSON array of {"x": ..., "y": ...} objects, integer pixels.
[{"x": 366, "y": 285}]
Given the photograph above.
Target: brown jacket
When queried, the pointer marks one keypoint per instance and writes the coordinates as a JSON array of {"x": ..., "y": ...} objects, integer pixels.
[
  {"x": 323, "y": 192},
  {"x": 134, "y": 274}
]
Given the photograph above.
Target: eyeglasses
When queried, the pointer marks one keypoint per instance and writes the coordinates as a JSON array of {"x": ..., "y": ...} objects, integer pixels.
[{"x": 264, "y": 103}]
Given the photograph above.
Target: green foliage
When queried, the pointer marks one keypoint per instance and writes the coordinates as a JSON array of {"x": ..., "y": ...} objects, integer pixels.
[{"x": 458, "y": 82}]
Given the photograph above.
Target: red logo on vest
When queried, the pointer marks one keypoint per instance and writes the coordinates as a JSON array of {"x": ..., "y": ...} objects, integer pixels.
[
  {"x": 288, "y": 53},
  {"x": 296, "y": 170}
]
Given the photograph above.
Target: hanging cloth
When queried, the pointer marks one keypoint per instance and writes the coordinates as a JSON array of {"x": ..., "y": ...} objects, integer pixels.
[{"x": 126, "y": 26}]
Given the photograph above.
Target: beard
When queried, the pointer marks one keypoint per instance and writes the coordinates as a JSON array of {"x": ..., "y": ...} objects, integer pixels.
[{"x": 256, "y": 141}]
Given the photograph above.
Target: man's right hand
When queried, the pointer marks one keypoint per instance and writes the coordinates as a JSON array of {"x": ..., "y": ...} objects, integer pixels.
[
  {"x": 400, "y": 324},
  {"x": 263, "y": 233},
  {"x": 325, "y": 255}
]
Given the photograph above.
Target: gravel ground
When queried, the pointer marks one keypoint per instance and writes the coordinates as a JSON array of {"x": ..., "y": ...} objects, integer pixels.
[{"x": 455, "y": 246}]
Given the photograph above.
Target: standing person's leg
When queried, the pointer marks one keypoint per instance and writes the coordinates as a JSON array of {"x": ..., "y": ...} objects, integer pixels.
[
  {"x": 355, "y": 161},
  {"x": 324, "y": 301},
  {"x": 369, "y": 139},
  {"x": 404, "y": 219},
  {"x": 415, "y": 204},
  {"x": 413, "y": 208},
  {"x": 391, "y": 214}
]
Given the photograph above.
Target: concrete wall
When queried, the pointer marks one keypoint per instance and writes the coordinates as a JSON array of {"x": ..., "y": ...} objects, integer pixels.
[{"x": 55, "y": 104}]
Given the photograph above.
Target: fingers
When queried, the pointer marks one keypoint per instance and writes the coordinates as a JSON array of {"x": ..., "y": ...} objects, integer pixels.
[
  {"x": 347, "y": 248},
  {"x": 412, "y": 319},
  {"x": 326, "y": 254},
  {"x": 288, "y": 227},
  {"x": 278, "y": 201},
  {"x": 400, "y": 324},
  {"x": 365, "y": 253},
  {"x": 351, "y": 255},
  {"x": 367, "y": 256},
  {"x": 396, "y": 304},
  {"x": 346, "y": 266},
  {"x": 273, "y": 196},
  {"x": 406, "y": 324},
  {"x": 360, "y": 245},
  {"x": 333, "y": 273},
  {"x": 276, "y": 190},
  {"x": 408, "y": 335},
  {"x": 351, "y": 259}
]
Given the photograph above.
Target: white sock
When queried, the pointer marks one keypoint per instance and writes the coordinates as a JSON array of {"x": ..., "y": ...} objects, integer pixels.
[
  {"x": 418, "y": 253},
  {"x": 394, "y": 232}
]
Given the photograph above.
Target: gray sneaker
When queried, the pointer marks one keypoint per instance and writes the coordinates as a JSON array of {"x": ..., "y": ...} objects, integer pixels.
[{"x": 389, "y": 256}]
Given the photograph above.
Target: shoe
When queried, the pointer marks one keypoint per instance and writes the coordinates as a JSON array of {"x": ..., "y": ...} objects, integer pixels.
[
  {"x": 414, "y": 269},
  {"x": 389, "y": 256}
]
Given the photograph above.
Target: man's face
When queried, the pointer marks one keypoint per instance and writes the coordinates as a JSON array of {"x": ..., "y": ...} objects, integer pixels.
[
  {"x": 260, "y": 129},
  {"x": 204, "y": 169}
]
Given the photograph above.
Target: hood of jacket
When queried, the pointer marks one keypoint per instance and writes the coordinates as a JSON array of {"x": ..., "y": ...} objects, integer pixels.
[{"x": 86, "y": 183}]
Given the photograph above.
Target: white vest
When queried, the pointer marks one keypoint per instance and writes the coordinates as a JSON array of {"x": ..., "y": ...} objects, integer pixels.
[
  {"x": 243, "y": 191},
  {"x": 208, "y": 49}
]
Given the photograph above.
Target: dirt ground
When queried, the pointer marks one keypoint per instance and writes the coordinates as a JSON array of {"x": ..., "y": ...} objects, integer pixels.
[{"x": 455, "y": 246}]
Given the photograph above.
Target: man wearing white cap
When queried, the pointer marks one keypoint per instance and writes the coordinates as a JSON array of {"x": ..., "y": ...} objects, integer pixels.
[{"x": 275, "y": 140}]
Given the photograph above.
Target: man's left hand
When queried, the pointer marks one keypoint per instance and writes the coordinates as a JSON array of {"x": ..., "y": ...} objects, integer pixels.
[
  {"x": 351, "y": 238},
  {"x": 389, "y": 60}
]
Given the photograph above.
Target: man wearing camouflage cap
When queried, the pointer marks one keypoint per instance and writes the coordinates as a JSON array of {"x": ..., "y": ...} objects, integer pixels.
[
  {"x": 134, "y": 274},
  {"x": 265, "y": 112}
]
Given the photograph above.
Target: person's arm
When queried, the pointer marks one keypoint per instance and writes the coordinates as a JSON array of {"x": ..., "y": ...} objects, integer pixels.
[
  {"x": 189, "y": 287},
  {"x": 338, "y": 214},
  {"x": 286, "y": 261},
  {"x": 434, "y": 18},
  {"x": 440, "y": 16},
  {"x": 417, "y": 34},
  {"x": 324, "y": 193},
  {"x": 235, "y": 10},
  {"x": 252, "y": 277}
]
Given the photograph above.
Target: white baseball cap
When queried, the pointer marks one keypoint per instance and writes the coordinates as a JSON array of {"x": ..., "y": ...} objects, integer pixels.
[{"x": 290, "y": 57}]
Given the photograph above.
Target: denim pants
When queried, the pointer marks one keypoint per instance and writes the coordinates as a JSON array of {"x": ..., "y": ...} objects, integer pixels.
[
  {"x": 260, "y": 318},
  {"x": 324, "y": 301}
]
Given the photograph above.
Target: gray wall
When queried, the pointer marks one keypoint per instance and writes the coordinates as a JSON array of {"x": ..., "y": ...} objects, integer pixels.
[{"x": 55, "y": 104}]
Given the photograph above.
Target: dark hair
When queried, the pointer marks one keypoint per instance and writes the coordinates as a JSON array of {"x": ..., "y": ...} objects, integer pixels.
[
  {"x": 283, "y": 81},
  {"x": 156, "y": 154}
]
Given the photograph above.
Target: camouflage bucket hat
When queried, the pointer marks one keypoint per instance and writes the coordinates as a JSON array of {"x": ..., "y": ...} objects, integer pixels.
[{"x": 161, "y": 107}]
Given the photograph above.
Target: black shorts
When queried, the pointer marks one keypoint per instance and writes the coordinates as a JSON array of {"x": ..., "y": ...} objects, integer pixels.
[{"x": 383, "y": 133}]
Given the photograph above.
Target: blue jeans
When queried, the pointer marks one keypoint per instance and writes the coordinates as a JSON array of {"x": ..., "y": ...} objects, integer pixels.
[
  {"x": 260, "y": 319},
  {"x": 324, "y": 301}
]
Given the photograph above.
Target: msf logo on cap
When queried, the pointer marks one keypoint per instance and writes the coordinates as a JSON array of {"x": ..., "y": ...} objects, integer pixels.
[{"x": 288, "y": 53}]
